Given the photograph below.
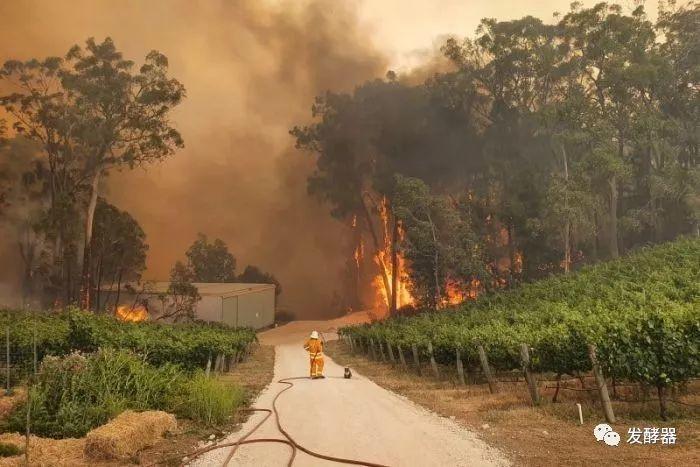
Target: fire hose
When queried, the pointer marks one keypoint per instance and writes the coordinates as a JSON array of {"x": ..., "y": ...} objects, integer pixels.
[{"x": 288, "y": 440}]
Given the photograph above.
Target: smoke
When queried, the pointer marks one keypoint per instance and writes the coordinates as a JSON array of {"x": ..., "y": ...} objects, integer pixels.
[{"x": 251, "y": 70}]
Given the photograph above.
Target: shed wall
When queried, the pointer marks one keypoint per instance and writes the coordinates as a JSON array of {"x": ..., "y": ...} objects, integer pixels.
[{"x": 209, "y": 308}]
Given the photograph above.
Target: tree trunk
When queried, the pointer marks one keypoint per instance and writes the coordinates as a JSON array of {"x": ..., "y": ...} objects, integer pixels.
[
  {"x": 377, "y": 247},
  {"x": 436, "y": 263},
  {"x": 614, "y": 251},
  {"x": 556, "y": 391},
  {"x": 567, "y": 221},
  {"x": 86, "y": 283},
  {"x": 119, "y": 290},
  {"x": 98, "y": 294},
  {"x": 511, "y": 253},
  {"x": 662, "y": 402},
  {"x": 596, "y": 239},
  {"x": 394, "y": 266}
]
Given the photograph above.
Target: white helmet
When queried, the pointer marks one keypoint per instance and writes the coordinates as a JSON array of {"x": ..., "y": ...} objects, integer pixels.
[{"x": 314, "y": 335}]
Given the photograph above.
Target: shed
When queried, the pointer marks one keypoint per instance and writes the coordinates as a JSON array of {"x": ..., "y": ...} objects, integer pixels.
[{"x": 236, "y": 304}]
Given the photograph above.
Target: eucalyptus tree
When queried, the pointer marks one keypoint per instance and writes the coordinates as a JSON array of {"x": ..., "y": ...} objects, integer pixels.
[
  {"x": 119, "y": 247},
  {"x": 92, "y": 112}
]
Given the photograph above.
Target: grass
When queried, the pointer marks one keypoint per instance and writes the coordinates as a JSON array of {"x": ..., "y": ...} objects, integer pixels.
[
  {"x": 546, "y": 435},
  {"x": 208, "y": 400},
  {"x": 9, "y": 450},
  {"x": 252, "y": 375}
]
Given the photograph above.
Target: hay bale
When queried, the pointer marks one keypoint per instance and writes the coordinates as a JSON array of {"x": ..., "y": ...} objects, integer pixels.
[
  {"x": 46, "y": 451},
  {"x": 127, "y": 434}
]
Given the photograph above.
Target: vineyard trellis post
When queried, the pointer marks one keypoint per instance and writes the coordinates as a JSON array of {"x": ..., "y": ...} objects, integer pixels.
[
  {"x": 414, "y": 348},
  {"x": 391, "y": 353},
  {"x": 460, "y": 367},
  {"x": 208, "y": 368},
  {"x": 529, "y": 376},
  {"x": 402, "y": 359},
  {"x": 381, "y": 350},
  {"x": 486, "y": 368},
  {"x": 371, "y": 346},
  {"x": 600, "y": 383},
  {"x": 8, "y": 386},
  {"x": 433, "y": 364},
  {"x": 352, "y": 345}
]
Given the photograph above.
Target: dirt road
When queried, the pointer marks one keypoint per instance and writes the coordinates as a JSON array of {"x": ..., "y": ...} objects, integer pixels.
[{"x": 352, "y": 418}]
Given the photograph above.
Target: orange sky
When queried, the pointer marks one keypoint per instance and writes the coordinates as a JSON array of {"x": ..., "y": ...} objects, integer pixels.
[{"x": 251, "y": 69}]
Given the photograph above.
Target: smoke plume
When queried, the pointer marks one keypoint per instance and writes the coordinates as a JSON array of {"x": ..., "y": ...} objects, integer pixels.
[{"x": 251, "y": 70}]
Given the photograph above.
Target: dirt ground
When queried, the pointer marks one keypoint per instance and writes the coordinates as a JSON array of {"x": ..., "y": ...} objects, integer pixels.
[
  {"x": 350, "y": 418},
  {"x": 545, "y": 436}
]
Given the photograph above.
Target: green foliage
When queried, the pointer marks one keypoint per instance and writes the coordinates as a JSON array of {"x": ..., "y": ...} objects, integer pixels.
[
  {"x": 207, "y": 400},
  {"x": 642, "y": 312},
  {"x": 210, "y": 261},
  {"x": 188, "y": 345},
  {"x": 78, "y": 392},
  {"x": 439, "y": 243},
  {"x": 9, "y": 450},
  {"x": 88, "y": 113},
  {"x": 180, "y": 300},
  {"x": 118, "y": 246},
  {"x": 254, "y": 275}
]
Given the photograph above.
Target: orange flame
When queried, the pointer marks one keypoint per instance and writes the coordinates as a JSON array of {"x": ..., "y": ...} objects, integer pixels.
[
  {"x": 132, "y": 315},
  {"x": 458, "y": 292},
  {"x": 383, "y": 261}
]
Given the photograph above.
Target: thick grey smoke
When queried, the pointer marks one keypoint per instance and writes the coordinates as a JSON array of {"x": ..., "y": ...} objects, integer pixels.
[{"x": 251, "y": 70}]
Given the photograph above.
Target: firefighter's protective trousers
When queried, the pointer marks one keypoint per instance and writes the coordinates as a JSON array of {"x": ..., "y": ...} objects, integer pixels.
[{"x": 315, "y": 349}]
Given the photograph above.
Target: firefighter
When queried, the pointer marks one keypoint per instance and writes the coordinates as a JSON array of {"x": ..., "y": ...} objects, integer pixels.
[{"x": 315, "y": 348}]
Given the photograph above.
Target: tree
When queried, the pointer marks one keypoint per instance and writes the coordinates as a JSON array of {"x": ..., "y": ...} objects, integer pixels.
[
  {"x": 179, "y": 303},
  {"x": 440, "y": 246},
  {"x": 254, "y": 275},
  {"x": 119, "y": 246},
  {"x": 91, "y": 113},
  {"x": 210, "y": 262},
  {"x": 361, "y": 140}
]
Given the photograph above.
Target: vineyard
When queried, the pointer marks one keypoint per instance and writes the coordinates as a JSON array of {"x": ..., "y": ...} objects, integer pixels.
[
  {"x": 190, "y": 345},
  {"x": 640, "y": 315}
]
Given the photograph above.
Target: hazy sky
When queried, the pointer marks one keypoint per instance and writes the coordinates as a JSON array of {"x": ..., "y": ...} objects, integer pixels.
[
  {"x": 251, "y": 69},
  {"x": 407, "y": 29}
]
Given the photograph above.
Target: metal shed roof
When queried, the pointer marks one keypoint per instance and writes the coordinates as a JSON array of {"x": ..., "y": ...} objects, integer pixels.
[{"x": 229, "y": 289}]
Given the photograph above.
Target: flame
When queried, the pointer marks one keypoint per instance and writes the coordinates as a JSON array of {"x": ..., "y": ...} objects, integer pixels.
[
  {"x": 132, "y": 315},
  {"x": 458, "y": 292},
  {"x": 383, "y": 261}
]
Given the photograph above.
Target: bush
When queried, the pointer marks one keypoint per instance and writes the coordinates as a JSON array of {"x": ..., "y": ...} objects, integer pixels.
[
  {"x": 78, "y": 392},
  {"x": 640, "y": 311},
  {"x": 189, "y": 345},
  {"x": 207, "y": 400},
  {"x": 9, "y": 450}
]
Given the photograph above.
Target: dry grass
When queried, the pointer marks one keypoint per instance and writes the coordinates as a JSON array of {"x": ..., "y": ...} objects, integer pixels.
[
  {"x": 547, "y": 435},
  {"x": 127, "y": 434},
  {"x": 8, "y": 403},
  {"x": 46, "y": 452}
]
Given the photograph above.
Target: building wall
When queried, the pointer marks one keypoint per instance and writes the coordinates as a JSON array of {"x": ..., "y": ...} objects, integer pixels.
[
  {"x": 209, "y": 308},
  {"x": 256, "y": 309},
  {"x": 230, "y": 311}
]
